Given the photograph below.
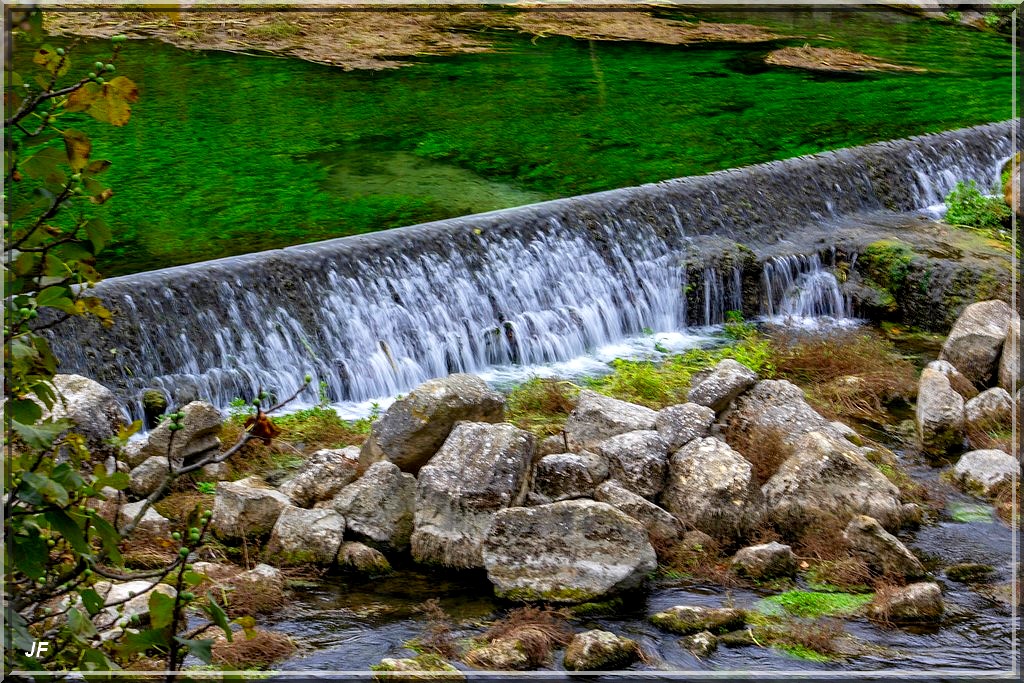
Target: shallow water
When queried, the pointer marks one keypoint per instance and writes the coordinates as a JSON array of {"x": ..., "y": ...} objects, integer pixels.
[{"x": 228, "y": 154}]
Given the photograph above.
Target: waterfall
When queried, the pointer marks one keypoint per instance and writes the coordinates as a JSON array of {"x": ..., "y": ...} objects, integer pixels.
[
  {"x": 797, "y": 287},
  {"x": 375, "y": 315}
]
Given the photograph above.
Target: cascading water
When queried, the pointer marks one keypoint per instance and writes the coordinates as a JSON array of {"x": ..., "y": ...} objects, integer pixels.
[
  {"x": 797, "y": 288},
  {"x": 372, "y": 316}
]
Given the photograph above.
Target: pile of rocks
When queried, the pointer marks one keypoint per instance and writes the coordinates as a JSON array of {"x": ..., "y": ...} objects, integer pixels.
[{"x": 972, "y": 391}]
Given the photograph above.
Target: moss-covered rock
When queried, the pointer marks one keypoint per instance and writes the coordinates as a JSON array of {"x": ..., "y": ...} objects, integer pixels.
[
  {"x": 685, "y": 619},
  {"x": 423, "y": 667},
  {"x": 597, "y": 650}
]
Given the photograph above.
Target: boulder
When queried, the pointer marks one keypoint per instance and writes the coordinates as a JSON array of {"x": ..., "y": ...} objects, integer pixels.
[
  {"x": 378, "y": 507},
  {"x": 480, "y": 469},
  {"x": 572, "y": 551},
  {"x": 883, "y": 552},
  {"x": 687, "y": 619},
  {"x": 828, "y": 478},
  {"x": 916, "y": 603},
  {"x": 147, "y": 477},
  {"x": 778, "y": 408},
  {"x": 680, "y": 424},
  {"x": 597, "y": 650},
  {"x": 247, "y": 507},
  {"x": 700, "y": 644},
  {"x": 199, "y": 435},
  {"x": 152, "y": 523},
  {"x": 552, "y": 445},
  {"x": 323, "y": 475},
  {"x": 765, "y": 561},
  {"x": 413, "y": 428},
  {"x": 568, "y": 475},
  {"x": 361, "y": 558},
  {"x": 957, "y": 380},
  {"x": 727, "y": 380},
  {"x": 302, "y": 536},
  {"x": 940, "y": 414},
  {"x": 711, "y": 487},
  {"x": 1009, "y": 358},
  {"x": 983, "y": 471},
  {"x": 663, "y": 529},
  {"x": 91, "y": 406},
  {"x": 992, "y": 409},
  {"x": 977, "y": 339},
  {"x": 637, "y": 460},
  {"x": 597, "y": 417},
  {"x": 131, "y": 454}
]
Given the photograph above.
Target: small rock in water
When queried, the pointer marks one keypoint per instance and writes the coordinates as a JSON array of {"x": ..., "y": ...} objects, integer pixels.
[
  {"x": 916, "y": 603},
  {"x": 423, "y": 667},
  {"x": 362, "y": 558},
  {"x": 969, "y": 572},
  {"x": 882, "y": 551},
  {"x": 685, "y": 619},
  {"x": 501, "y": 654},
  {"x": 765, "y": 561},
  {"x": 940, "y": 414},
  {"x": 598, "y": 650},
  {"x": 700, "y": 644}
]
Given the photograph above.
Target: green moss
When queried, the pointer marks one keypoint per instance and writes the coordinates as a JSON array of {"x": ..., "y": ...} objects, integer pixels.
[
  {"x": 886, "y": 264},
  {"x": 540, "y": 405},
  {"x": 599, "y": 608},
  {"x": 812, "y": 604},
  {"x": 802, "y": 652},
  {"x": 969, "y": 512},
  {"x": 560, "y": 595}
]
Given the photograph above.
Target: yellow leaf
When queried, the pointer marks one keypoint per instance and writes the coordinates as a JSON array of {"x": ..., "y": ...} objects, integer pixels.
[
  {"x": 47, "y": 57},
  {"x": 79, "y": 148},
  {"x": 124, "y": 87},
  {"x": 102, "y": 197},
  {"x": 82, "y": 99}
]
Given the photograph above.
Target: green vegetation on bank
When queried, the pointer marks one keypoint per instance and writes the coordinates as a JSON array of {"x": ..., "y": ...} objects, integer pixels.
[{"x": 306, "y": 152}]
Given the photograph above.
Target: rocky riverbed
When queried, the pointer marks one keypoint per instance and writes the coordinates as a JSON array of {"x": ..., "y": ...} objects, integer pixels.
[{"x": 691, "y": 537}]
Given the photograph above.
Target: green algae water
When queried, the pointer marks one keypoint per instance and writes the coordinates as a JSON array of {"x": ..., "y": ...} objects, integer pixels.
[{"x": 228, "y": 154}]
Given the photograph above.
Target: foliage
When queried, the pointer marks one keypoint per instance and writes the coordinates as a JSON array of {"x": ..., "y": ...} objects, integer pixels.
[
  {"x": 663, "y": 383},
  {"x": 850, "y": 374},
  {"x": 967, "y": 206},
  {"x": 812, "y": 604},
  {"x": 207, "y": 487},
  {"x": 541, "y": 405}
]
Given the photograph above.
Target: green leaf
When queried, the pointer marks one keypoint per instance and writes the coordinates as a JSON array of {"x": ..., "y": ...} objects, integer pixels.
[
  {"x": 94, "y": 660},
  {"x": 24, "y": 410},
  {"x": 92, "y": 601},
  {"x": 109, "y": 536},
  {"x": 30, "y": 554},
  {"x": 161, "y": 609},
  {"x": 199, "y": 648},
  {"x": 43, "y": 165},
  {"x": 55, "y": 297},
  {"x": 193, "y": 578},
  {"x": 62, "y": 523},
  {"x": 218, "y": 616},
  {"x": 41, "y": 434},
  {"x": 48, "y": 489},
  {"x": 78, "y": 147},
  {"x": 17, "y": 630},
  {"x": 65, "y": 475},
  {"x": 80, "y": 624},
  {"x": 150, "y": 639},
  {"x": 115, "y": 480}
]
